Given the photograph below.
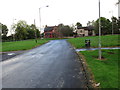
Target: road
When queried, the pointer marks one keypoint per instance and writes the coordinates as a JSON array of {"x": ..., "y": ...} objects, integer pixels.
[{"x": 52, "y": 65}]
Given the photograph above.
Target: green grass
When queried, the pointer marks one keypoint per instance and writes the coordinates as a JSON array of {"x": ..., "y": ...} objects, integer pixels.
[
  {"x": 104, "y": 71},
  {"x": 21, "y": 45},
  {"x": 106, "y": 41}
]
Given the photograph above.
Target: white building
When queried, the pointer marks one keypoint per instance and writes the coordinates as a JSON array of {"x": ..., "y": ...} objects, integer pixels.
[{"x": 85, "y": 31}]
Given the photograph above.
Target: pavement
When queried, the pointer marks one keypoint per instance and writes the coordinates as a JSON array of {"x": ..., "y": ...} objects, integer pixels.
[
  {"x": 85, "y": 49},
  {"x": 52, "y": 65}
]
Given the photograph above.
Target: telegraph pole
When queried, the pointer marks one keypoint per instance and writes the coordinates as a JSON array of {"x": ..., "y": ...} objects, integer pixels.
[
  {"x": 118, "y": 9},
  {"x": 35, "y": 32},
  {"x": 13, "y": 30},
  {"x": 112, "y": 22},
  {"x": 40, "y": 17},
  {"x": 99, "y": 33}
]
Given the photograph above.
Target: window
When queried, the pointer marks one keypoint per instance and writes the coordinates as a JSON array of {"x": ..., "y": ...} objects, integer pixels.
[{"x": 80, "y": 31}]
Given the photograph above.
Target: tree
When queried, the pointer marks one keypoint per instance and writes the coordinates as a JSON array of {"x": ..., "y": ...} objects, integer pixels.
[
  {"x": 118, "y": 23},
  {"x": 90, "y": 23},
  {"x": 21, "y": 30},
  {"x": 4, "y": 31},
  {"x": 116, "y": 26},
  {"x": 65, "y": 30},
  {"x": 38, "y": 33},
  {"x": 105, "y": 26},
  {"x": 118, "y": 2},
  {"x": 78, "y": 24},
  {"x": 42, "y": 35},
  {"x": 35, "y": 31},
  {"x": 24, "y": 31},
  {"x": 31, "y": 32},
  {"x": 60, "y": 26}
]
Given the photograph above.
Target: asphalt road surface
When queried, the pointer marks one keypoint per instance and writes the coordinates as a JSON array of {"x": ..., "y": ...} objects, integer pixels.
[{"x": 52, "y": 65}]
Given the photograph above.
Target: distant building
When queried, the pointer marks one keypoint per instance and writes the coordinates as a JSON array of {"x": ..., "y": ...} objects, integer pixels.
[
  {"x": 51, "y": 32},
  {"x": 85, "y": 31}
]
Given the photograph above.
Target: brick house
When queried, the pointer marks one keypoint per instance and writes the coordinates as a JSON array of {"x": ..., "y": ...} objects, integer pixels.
[
  {"x": 85, "y": 31},
  {"x": 51, "y": 32}
]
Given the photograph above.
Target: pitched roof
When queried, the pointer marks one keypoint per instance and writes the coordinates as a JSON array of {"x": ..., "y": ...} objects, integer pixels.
[
  {"x": 86, "y": 28},
  {"x": 48, "y": 28},
  {"x": 82, "y": 27}
]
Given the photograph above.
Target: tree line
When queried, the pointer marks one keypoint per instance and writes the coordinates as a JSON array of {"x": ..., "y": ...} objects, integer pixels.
[
  {"x": 23, "y": 31},
  {"x": 20, "y": 31},
  {"x": 107, "y": 26}
]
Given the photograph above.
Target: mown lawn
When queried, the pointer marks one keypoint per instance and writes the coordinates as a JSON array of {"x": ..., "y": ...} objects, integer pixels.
[
  {"x": 21, "y": 45},
  {"x": 105, "y": 71},
  {"x": 106, "y": 41}
]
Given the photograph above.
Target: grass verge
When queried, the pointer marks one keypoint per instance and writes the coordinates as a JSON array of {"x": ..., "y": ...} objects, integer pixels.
[
  {"x": 105, "y": 71},
  {"x": 21, "y": 45},
  {"x": 106, "y": 41}
]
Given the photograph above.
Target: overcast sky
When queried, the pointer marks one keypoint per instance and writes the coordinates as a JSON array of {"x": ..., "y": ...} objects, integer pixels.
[{"x": 59, "y": 11}]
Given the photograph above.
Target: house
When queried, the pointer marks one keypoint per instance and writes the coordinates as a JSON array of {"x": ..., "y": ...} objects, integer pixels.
[
  {"x": 51, "y": 32},
  {"x": 85, "y": 31}
]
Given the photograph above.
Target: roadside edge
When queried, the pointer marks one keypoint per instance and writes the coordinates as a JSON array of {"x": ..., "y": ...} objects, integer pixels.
[{"x": 87, "y": 72}]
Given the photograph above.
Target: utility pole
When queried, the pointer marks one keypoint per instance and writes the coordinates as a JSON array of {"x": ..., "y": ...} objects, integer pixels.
[
  {"x": 118, "y": 9},
  {"x": 112, "y": 25},
  {"x": 112, "y": 22},
  {"x": 119, "y": 13},
  {"x": 35, "y": 32},
  {"x": 40, "y": 15},
  {"x": 13, "y": 30},
  {"x": 99, "y": 33}
]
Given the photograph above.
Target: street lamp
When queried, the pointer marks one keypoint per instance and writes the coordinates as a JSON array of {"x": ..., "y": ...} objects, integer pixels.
[
  {"x": 35, "y": 32},
  {"x": 118, "y": 9},
  {"x": 99, "y": 33},
  {"x": 40, "y": 15},
  {"x": 112, "y": 21},
  {"x": 13, "y": 29}
]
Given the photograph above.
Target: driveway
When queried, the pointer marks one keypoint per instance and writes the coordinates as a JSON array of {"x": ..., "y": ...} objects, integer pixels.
[{"x": 52, "y": 65}]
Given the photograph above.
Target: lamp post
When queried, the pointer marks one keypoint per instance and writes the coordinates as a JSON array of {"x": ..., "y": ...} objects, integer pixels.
[
  {"x": 35, "y": 32},
  {"x": 99, "y": 33},
  {"x": 13, "y": 29},
  {"x": 40, "y": 15},
  {"x": 112, "y": 22},
  {"x": 118, "y": 9}
]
